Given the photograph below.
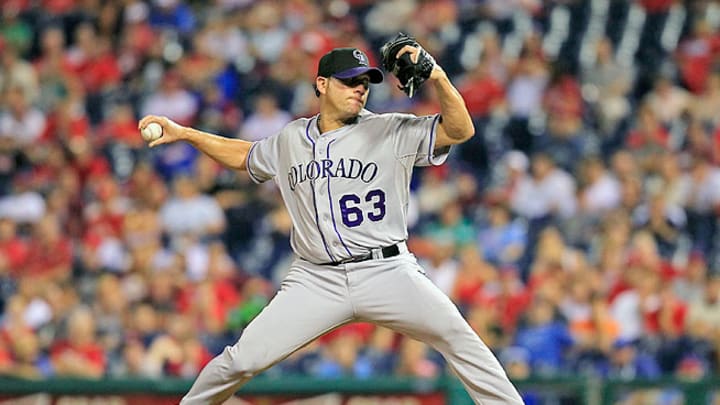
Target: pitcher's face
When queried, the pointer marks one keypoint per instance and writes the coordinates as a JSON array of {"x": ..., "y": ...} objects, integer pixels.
[{"x": 348, "y": 96}]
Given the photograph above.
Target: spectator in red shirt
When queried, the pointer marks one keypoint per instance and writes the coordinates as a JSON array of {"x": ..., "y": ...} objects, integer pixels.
[
  {"x": 482, "y": 92},
  {"x": 108, "y": 206},
  {"x": 120, "y": 127},
  {"x": 79, "y": 354},
  {"x": 6, "y": 362},
  {"x": 68, "y": 120},
  {"x": 14, "y": 324},
  {"x": 672, "y": 314},
  {"x": 696, "y": 54},
  {"x": 646, "y": 254},
  {"x": 212, "y": 299},
  {"x": 178, "y": 352},
  {"x": 50, "y": 256},
  {"x": 136, "y": 39},
  {"x": 13, "y": 249},
  {"x": 656, "y": 6},
  {"x": 562, "y": 97},
  {"x": 647, "y": 137},
  {"x": 92, "y": 60},
  {"x": 473, "y": 273},
  {"x": 508, "y": 296},
  {"x": 86, "y": 162}
]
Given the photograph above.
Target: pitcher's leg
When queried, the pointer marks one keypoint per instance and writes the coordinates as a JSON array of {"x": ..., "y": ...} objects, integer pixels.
[
  {"x": 401, "y": 297},
  {"x": 308, "y": 304}
]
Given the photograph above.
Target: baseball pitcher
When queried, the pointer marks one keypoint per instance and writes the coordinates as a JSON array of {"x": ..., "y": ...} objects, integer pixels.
[{"x": 344, "y": 176}]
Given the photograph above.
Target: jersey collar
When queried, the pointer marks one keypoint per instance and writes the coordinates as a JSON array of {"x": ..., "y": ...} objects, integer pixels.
[{"x": 315, "y": 132}]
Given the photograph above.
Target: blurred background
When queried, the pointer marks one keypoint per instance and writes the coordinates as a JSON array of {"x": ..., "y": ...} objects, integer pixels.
[{"x": 577, "y": 231}]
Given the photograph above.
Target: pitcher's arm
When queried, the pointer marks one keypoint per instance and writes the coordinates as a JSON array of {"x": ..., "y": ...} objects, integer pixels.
[{"x": 228, "y": 152}]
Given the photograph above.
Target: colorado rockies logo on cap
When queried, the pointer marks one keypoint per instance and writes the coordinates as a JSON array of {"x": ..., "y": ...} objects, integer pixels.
[
  {"x": 360, "y": 56},
  {"x": 345, "y": 63}
]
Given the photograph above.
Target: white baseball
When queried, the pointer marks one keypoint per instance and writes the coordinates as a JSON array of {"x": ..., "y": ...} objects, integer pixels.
[{"x": 151, "y": 132}]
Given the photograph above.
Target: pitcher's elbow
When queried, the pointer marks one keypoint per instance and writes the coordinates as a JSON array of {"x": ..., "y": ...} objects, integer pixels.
[{"x": 464, "y": 134}]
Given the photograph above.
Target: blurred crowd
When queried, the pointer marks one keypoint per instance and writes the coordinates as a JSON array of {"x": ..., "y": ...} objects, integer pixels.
[{"x": 577, "y": 231}]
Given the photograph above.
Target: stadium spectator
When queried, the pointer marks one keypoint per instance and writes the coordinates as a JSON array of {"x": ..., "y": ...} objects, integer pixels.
[
  {"x": 79, "y": 354},
  {"x": 109, "y": 308},
  {"x": 414, "y": 360},
  {"x": 21, "y": 124},
  {"x": 525, "y": 87},
  {"x": 178, "y": 353},
  {"x": 703, "y": 309},
  {"x": 266, "y": 119},
  {"x": 173, "y": 15},
  {"x": 508, "y": 298},
  {"x": 545, "y": 339},
  {"x": 13, "y": 249},
  {"x": 548, "y": 192},
  {"x": 473, "y": 274},
  {"x": 647, "y": 138},
  {"x": 600, "y": 190},
  {"x": 172, "y": 99},
  {"x": 665, "y": 222},
  {"x": 667, "y": 100},
  {"x": 483, "y": 92},
  {"x": 29, "y": 361},
  {"x": 695, "y": 55},
  {"x": 701, "y": 200},
  {"x": 504, "y": 239},
  {"x": 627, "y": 363},
  {"x": 607, "y": 86},
  {"x": 379, "y": 355},
  {"x": 189, "y": 214},
  {"x": 704, "y": 105},
  {"x": 339, "y": 357},
  {"x": 441, "y": 265},
  {"x": 51, "y": 252},
  {"x": 16, "y": 71}
]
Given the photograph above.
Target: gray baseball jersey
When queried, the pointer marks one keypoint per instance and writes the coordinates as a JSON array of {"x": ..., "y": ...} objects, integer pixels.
[{"x": 346, "y": 193}]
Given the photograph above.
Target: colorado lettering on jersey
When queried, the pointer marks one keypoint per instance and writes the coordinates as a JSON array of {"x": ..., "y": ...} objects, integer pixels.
[{"x": 345, "y": 168}]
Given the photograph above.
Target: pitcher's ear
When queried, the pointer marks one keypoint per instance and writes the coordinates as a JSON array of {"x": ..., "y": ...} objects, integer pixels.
[{"x": 320, "y": 82}]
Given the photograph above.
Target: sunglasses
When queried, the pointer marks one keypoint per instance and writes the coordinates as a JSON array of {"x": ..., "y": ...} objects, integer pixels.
[{"x": 355, "y": 81}]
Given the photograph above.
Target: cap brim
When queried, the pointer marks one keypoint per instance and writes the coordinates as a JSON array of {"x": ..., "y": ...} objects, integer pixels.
[{"x": 375, "y": 74}]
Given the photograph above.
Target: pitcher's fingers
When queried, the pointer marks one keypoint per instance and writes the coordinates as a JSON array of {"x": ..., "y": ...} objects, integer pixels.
[
  {"x": 405, "y": 49},
  {"x": 413, "y": 51},
  {"x": 143, "y": 122},
  {"x": 148, "y": 119},
  {"x": 158, "y": 141}
]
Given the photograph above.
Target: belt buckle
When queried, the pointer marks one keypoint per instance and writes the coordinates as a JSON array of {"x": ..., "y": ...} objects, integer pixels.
[
  {"x": 362, "y": 258},
  {"x": 347, "y": 260}
]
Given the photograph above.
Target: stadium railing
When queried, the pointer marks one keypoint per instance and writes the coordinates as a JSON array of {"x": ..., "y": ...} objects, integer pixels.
[{"x": 578, "y": 390}]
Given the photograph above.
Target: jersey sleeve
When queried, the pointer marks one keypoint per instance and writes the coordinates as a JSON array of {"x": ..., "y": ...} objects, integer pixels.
[
  {"x": 262, "y": 159},
  {"x": 415, "y": 136}
]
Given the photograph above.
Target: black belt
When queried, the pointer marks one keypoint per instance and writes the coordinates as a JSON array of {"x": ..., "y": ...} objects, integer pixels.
[{"x": 385, "y": 252}]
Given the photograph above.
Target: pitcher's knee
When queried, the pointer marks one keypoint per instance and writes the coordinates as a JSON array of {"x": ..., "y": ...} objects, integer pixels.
[
  {"x": 247, "y": 361},
  {"x": 456, "y": 335}
]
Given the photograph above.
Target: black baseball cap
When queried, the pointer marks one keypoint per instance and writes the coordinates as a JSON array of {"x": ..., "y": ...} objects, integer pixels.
[{"x": 345, "y": 63}]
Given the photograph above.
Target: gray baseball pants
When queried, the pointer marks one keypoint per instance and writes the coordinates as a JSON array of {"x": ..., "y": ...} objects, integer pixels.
[{"x": 314, "y": 299}]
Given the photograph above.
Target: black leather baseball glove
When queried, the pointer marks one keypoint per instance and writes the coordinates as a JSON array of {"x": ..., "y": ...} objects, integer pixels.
[{"x": 411, "y": 75}]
